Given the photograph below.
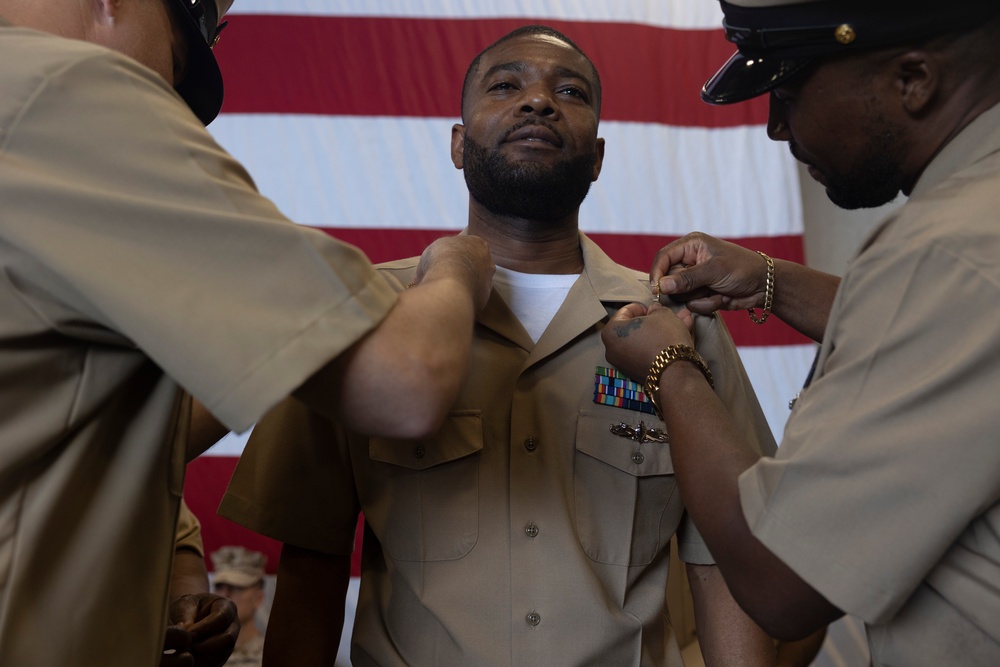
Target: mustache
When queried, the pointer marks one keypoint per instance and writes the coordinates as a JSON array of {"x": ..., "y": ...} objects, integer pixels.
[{"x": 531, "y": 120}]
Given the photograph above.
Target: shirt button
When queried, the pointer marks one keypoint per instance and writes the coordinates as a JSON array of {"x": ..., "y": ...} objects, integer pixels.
[
  {"x": 531, "y": 444},
  {"x": 531, "y": 530},
  {"x": 638, "y": 458},
  {"x": 533, "y": 619},
  {"x": 418, "y": 452}
]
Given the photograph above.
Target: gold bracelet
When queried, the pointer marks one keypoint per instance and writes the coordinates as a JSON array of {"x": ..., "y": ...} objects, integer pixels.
[
  {"x": 667, "y": 356},
  {"x": 768, "y": 292}
]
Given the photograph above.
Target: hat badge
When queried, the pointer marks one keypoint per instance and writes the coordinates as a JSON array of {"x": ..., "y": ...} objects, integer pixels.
[{"x": 845, "y": 33}]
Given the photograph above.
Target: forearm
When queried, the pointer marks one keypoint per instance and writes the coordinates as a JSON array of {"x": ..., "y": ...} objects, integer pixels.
[
  {"x": 709, "y": 454},
  {"x": 307, "y": 616},
  {"x": 726, "y": 635},
  {"x": 401, "y": 379},
  {"x": 803, "y": 297},
  {"x": 189, "y": 574}
]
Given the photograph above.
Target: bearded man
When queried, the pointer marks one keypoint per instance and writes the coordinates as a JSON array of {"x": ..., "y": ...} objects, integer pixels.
[{"x": 534, "y": 527}]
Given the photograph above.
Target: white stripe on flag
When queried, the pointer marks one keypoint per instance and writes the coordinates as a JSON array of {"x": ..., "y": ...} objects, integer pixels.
[{"x": 386, "y": 172}]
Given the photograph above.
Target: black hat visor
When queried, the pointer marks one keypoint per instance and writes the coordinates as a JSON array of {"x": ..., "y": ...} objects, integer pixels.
[
  {"x": 201, "y": 86},
  {"x": 777, "y": 42},
  {"x": 743, "y": 77}
]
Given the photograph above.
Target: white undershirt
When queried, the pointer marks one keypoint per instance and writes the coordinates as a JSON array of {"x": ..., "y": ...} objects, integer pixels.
[{"x": 533, "y": 297}]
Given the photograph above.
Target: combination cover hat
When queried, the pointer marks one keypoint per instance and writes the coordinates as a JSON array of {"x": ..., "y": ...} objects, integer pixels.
[
  {"x": 777, "y": 39},
  {"x": 202, "y": 87},
  {"x": 237, "y": 566}
]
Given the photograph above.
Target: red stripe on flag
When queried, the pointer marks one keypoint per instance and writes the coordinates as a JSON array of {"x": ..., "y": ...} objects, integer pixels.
[
  {"x": 414, "y": 67},
  {"x": 632, "y": 250}
]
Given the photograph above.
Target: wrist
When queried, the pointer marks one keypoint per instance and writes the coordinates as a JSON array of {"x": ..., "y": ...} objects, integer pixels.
[
  {"x": 768, "y": 298},
  {"x": 665, "y": 358}
]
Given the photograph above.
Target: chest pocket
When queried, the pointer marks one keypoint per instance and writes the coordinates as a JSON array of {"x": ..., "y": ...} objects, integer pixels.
[
  {"x": 627, "y": 504},
  {"x": 424, "y": 504}
]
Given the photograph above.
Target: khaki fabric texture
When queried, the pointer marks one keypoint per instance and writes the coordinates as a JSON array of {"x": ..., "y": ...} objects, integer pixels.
[
  {"x": 137, "y": 260},
  {"x": 524, "y": 503},
  {"x": 884, "y": 493},
  {"x": 188, "y": 531}
]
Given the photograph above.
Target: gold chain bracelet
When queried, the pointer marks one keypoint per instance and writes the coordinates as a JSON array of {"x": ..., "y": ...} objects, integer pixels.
[
  {"x": 667, "y": 356},
  {"x": 768, "y": 292}
]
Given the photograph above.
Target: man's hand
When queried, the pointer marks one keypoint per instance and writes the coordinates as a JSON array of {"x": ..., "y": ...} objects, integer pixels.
[
  {"x": 636, "y": 333},
  {"x": 465, "y": 258},
  {"x": 418, "y": 357},
  {"x": 707, "y": 274},
  {"x": 202, "y": 632}
]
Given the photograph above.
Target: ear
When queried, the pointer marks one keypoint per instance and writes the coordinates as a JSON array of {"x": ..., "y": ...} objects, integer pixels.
[
  {"x": 599, "y": 161},
  {"x": 105, "y": 15},
  {"x": 107, "y": 9},
  {"x": 457, "y": 144},
  {"x": 918, "y": 77}
]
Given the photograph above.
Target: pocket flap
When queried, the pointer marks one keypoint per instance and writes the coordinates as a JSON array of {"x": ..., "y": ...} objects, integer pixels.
[
  {"x": 594, "y": 438},
  {"x": 459, "y": 436}
]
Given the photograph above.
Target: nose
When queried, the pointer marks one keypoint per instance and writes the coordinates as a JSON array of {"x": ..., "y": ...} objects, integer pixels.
[
  {"x": 538, "y": 99},
  {"x": 777, "y": 120}
]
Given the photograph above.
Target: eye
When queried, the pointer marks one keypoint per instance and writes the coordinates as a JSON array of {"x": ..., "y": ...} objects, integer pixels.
[
  {"x": 574, "y": 91},
  {"x": 501, "y": 85}
]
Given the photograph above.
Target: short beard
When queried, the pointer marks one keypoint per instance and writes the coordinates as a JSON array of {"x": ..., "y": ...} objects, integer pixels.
[
  {"x": 526, "y": 190},
  {"x": 878, "y": 178}
]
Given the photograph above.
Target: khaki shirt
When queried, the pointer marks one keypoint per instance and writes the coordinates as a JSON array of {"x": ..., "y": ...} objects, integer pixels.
[
  {"x": 884, "y": 493},
  {"x": 525, "y": 532},
  {"x": 137, "y": 258}
]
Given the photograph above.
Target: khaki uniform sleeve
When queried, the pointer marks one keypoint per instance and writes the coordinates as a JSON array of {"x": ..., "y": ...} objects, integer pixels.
[
  {"x": 188, "y": 531},
  {"x": 892, "y": 450},
  {"x": 150, "y": 235},
  {"x": 295, "y": 483}
]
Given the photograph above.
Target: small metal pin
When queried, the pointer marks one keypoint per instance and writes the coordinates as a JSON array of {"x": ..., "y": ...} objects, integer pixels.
[{"x": 845, "y": 34}]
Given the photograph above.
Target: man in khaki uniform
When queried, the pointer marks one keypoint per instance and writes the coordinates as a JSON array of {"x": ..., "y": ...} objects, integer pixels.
[
  {"x": 534, "y": 528},
  {"x": 883, "y": 500},
  {"x": 138, "y": 260}
]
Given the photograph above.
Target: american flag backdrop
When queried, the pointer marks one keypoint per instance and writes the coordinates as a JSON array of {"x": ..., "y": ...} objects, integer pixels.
[{"x": 341, "y": 110}]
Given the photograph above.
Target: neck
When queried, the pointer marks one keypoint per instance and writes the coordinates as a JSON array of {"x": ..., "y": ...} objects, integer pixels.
[
  {"x": 969, "y": 86},
  {"x": 529, "y": 246},
  {"x": 61, "y": 18}
]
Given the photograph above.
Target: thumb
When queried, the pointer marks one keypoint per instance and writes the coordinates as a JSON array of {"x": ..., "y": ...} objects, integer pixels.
[
  {"x": 688, "y": 281},
  {"x": 628, "y": 312}
]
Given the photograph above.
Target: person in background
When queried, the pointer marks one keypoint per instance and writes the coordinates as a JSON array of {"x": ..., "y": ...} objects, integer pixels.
[
  {"x": 534, "y": 527},
  {"x": 883, "y": 500},
  {"x": 137, "y": 260},
  {"x": 239, "y": 576}
]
